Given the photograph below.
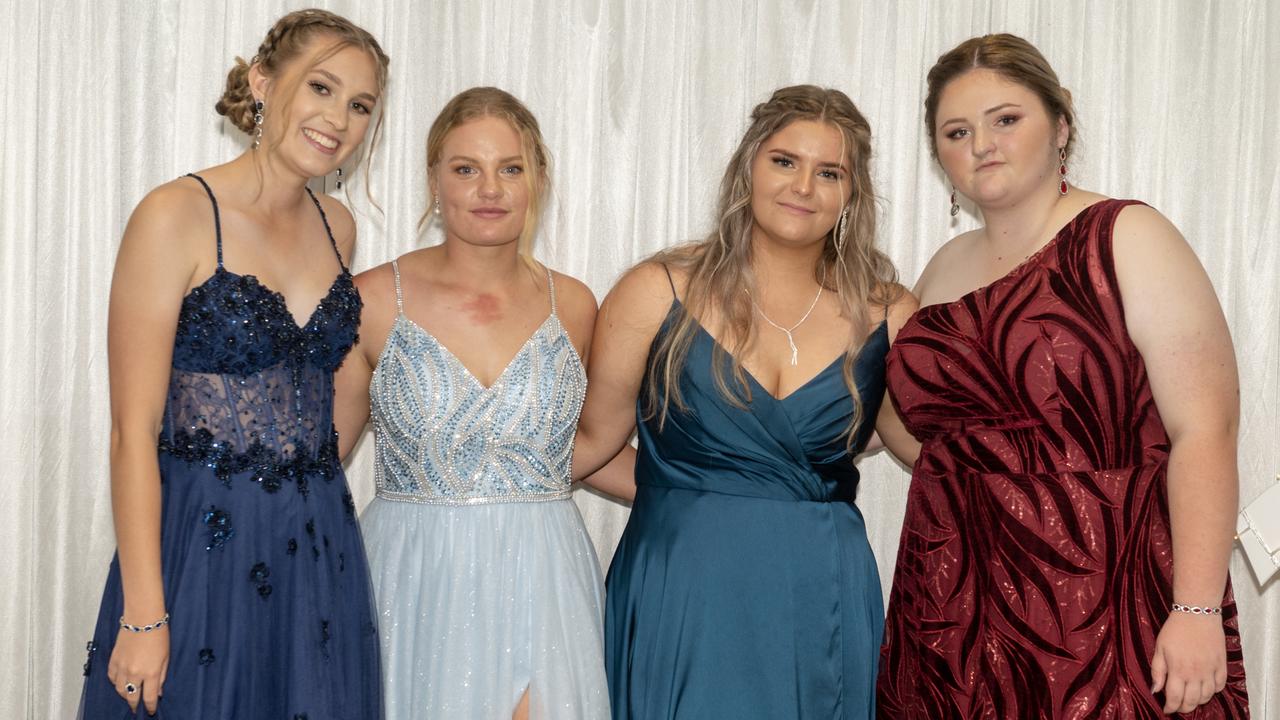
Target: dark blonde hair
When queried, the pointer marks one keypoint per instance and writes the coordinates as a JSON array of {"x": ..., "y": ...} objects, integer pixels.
[
  {"x": 283, "y": 45},
  {"x": 1014, "y": 59},
  {"x": 480, "y": 102},
  {"x": 719, "y": 267}
]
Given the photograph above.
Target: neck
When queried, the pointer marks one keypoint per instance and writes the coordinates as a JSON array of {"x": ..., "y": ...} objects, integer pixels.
[
  {"x": 1022, "y": 223},
  {"x": 776, "y": 265},
  {"x": 481, "y": 267},
  {"x": 268, "y": 186}
]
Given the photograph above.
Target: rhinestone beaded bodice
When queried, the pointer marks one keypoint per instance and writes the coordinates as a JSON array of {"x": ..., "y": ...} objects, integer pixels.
[
  {"x": 442, "y": 437},
  {"x": 250, "y": 389}
]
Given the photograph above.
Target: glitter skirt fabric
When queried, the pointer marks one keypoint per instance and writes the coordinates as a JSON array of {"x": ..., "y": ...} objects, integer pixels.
[{"x": 478, "y": 603}]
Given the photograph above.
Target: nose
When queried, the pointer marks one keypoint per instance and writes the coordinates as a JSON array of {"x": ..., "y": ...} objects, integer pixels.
[
  {"x": 802, "y": 184},
  {"x": 489, "y": 187},
  {"x": 336, "y": 117},
  {"x": 983, "y": 142}
]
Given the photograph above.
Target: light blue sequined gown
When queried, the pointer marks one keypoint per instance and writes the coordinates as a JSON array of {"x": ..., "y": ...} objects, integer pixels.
[{"x": 485, "y": 579}]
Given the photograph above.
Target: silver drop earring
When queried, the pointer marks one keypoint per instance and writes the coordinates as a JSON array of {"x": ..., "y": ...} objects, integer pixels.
[
  {"x": 339, "y": 178},
  {"x": 257, "y": 123},
  {"x": 842, "y": 231},
  {"x": 955, "y": 206},
  {"x": 436, "y": 205}
]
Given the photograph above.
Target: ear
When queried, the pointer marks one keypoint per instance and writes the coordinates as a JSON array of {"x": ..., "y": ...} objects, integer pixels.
[
  {"x": 1064, "y": 132},
  {"x": 259, "y": 83}
]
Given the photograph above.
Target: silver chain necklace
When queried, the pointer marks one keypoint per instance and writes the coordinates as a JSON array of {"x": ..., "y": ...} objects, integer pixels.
[{"x": 795, "y": 352}]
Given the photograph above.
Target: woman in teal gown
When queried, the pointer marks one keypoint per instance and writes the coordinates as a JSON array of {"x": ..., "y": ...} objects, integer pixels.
[{"x": 752, "y": 364}]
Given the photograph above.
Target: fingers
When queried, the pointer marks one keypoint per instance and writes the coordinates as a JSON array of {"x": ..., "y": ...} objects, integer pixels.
[
  {"x": 151, "y": 695},
  {"x": 129, "y": 690},
  {"x": 1174, "y": 694},
  {"x": 1159, "y": 671}
]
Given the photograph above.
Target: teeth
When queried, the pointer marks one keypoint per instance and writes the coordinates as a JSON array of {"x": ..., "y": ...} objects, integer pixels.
[{"x": 322, "y": 140}]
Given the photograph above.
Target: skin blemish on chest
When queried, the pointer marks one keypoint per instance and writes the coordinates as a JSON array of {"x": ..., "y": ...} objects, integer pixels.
[{"x": 483, "y": 309}]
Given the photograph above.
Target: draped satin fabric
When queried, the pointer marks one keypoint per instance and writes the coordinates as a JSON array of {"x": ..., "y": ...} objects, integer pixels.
[{"x": 1035, "y": 566}]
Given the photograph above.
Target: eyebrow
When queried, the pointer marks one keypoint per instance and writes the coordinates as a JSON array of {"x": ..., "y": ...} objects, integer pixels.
[
  {"x": 995, "y": 109},
  {"x": 336, "y": 81},
  {"x": 467, "y": 158},
  {"x": 792, "y": 156}
]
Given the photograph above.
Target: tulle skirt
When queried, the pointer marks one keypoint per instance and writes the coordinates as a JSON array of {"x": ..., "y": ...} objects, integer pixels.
[{"x": 478, "y": 604}]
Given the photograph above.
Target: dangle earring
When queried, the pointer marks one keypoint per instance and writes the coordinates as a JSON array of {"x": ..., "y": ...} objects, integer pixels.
[
  {"x": 841, "y": 231},
  {"x": 1062, "y": 171},
  {"x": 339, "y": 178},
  {"x": 436, "y": 205},
  {"x": 955, "y": 206},
  {"x": 257, "y": 123}
]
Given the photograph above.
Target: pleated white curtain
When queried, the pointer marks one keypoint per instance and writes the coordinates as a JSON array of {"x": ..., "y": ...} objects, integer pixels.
[{"x": 641, "y": 103}]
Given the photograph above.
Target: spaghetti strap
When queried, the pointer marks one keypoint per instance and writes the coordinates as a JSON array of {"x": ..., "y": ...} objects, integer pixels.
[
  {"x": 395, "y": 269},
  {"x": 670, "y": 282},
  {"x": 217, "y": 218},
  {"x": 327, "y": 230},
  {"x": 551, "y": 285}
]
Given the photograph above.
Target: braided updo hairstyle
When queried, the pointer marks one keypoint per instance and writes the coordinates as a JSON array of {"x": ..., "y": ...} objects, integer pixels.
[{"x": 283, "y": 44}]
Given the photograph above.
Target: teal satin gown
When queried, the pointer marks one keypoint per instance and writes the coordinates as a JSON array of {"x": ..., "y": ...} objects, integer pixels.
[{"x": 744, "y": 586}]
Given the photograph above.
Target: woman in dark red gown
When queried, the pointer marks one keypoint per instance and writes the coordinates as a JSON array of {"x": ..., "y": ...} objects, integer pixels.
[{"x": 1072, "y": 384}]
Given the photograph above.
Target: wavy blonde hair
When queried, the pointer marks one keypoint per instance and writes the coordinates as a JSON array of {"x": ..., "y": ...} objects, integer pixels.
[{"x": 719, "y": 267}]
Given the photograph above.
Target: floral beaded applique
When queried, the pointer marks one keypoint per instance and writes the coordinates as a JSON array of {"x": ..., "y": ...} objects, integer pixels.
[{"x": 219, "y": 524}]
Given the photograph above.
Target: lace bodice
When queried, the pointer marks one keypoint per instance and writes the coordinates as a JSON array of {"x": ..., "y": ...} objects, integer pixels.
[
  {"x": 250, "y": 389},
  {"x": 442, "y": 437}
]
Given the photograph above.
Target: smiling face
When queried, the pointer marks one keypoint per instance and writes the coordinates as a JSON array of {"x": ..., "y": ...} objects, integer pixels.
[
  {"x": 996, "y": 141},
  {"x": 318, "y": 127},
  {"x": 799, "y": 183},
  {"x": 480, "y": 182}
]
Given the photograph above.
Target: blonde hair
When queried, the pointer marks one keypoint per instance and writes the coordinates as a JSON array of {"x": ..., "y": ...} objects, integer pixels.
[
  {"x": 480, "y": 102},
  {"x": 719, "y": 267},
  {"x": 283, "y": 45},
  {"x": 1014, "y": 59}
]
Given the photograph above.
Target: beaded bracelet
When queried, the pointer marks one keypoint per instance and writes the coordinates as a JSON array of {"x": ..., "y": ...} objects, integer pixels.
[
  {"x": 1196, "y": 609},
  {"x": 144, "y": 628}
]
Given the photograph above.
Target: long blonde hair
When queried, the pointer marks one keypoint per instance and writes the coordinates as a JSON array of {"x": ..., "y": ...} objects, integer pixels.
[
  {"x": 479, "y": 102},
  {"x": 719, "y": 267}
]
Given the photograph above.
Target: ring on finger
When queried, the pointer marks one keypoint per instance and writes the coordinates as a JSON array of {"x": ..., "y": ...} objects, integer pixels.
[{"x": 130, "y": 689}]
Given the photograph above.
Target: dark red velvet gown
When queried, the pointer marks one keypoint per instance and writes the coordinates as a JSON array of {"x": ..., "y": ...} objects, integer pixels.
[{"x": 1035, "y": 564}]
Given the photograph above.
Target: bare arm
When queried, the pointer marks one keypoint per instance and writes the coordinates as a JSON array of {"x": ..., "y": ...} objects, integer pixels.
[
  {"x": 1172, "y": 315},
  {"x": 154, "y": 267},
  {"x": 351, "y": 382},
  {"x": 889, "y": 426},
  {"x": 625, "y": 326}
]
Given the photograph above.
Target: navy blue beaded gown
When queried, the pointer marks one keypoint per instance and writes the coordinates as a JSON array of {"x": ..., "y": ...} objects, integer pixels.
[
  {"x": 744, "y": 585},
  {"x": 264, "y": 569}
]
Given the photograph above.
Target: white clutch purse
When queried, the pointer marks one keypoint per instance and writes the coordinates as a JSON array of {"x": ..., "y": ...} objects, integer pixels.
[{"x": 1258, "y": 532}]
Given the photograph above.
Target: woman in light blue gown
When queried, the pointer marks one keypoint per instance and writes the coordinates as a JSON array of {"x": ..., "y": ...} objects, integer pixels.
[{"x": 471, "y": 366}]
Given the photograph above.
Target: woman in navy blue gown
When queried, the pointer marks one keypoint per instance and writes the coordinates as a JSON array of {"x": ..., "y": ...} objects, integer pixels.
[
  {"x": 240, "y": 588},
  {"x": 753, "y": 363}
]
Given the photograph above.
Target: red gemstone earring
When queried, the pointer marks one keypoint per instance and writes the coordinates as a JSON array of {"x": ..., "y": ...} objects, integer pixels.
[
  {"x": 955, "y": 206},
  {"x": 1062, "y": 171}
]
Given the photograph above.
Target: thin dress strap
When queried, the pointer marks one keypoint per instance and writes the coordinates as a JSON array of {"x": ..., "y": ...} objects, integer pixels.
[
  {"x": 551, "y": 284},
  {"x": 395, "y": 269},
  {"x": 217, "y": 219},
  {"x": 327, "y": 230},
  {"x": 670, "y": 282}
]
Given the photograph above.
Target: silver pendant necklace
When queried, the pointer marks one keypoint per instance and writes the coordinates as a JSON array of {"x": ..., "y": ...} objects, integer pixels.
[{"x": 791, "y": 341}]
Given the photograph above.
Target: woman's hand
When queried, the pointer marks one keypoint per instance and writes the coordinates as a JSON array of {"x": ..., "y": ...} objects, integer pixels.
[
  {"x": 1190, "y": 661},
  {"x": 139, "y": 662}
]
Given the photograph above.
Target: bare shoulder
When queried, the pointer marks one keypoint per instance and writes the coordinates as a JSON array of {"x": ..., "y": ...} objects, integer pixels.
[
  {"x": 377, "y": 288},
  {"x": 172, "y": 227},
  {"x": 574, "y": 300},
  {"x": 341, "y": 223},
  {"x": 1145, "y": 244},
  {"x": 901, "y": 308},
  {"x": 933, "y": 277},
  {"x": 642, "y": 298}
]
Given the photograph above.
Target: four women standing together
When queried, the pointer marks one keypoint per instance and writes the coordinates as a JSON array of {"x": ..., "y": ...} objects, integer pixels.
[{"x": 1067, "y": 534}]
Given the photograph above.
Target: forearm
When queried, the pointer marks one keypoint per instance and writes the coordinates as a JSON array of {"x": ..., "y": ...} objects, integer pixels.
[
  {"x": 592, "y": 451},
  {"x": 618, "y": 476},
  {"x": 1203, "y": 497},
  {"x": 135, "y": 505}
]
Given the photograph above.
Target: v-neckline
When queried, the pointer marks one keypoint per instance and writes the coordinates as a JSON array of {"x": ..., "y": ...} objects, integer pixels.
[
  {"x": 279, "y": 297},
  {"x": 751, "y": 377},
  {"x": 453, "y": 358}
]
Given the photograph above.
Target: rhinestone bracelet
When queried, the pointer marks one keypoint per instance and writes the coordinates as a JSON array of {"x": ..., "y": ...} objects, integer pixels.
[
  {"x": 1196, "y": 609},
  {"x": 144, "y": 628}
]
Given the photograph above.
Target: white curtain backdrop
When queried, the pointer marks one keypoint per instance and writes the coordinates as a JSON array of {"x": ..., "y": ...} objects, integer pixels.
[{"x": 641, "y": 103}]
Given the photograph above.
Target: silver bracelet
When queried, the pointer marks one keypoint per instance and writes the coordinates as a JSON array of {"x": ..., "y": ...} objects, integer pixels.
[
  {"x": 1191, "y": 609},
  {"x": 144, "y": 628}
]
